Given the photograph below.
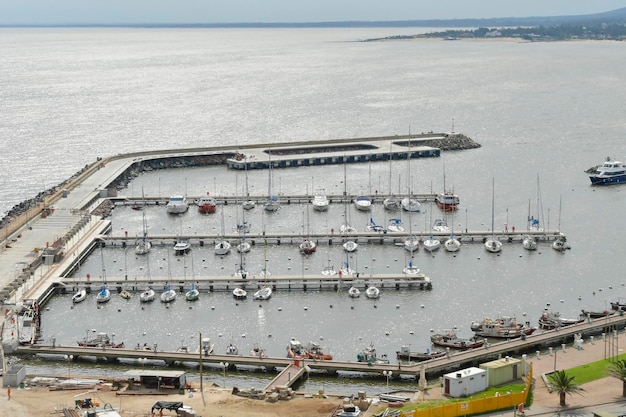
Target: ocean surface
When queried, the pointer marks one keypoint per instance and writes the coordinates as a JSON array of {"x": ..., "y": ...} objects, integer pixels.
[{"x": 543, "y": 113}]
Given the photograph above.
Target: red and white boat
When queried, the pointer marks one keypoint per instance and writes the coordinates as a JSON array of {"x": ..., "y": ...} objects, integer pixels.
[
  {"x": 206, "y": 205},
  {"x": 447, "y": 201}
]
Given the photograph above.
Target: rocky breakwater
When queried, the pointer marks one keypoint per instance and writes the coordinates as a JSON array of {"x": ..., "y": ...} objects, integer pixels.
[{"x": 451, "y": 142}]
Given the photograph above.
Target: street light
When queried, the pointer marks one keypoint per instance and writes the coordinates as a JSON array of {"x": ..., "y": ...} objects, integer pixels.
[
  {"x": 224, "y": 366},
  {"x": 142, "y": 361},
  {"x": 69, "y": 359},
  {"x": 388, "y": 375}
]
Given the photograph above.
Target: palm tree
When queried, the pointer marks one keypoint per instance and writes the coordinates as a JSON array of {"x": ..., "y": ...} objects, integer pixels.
[
  {"x": 563, "y": 384},
  {"x": 618, "y": 370}
]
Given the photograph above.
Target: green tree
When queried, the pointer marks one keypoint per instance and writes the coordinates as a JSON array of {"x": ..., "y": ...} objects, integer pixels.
[
  {"x": 618, "y": 370},
  {"x": 563, "y": 384}
]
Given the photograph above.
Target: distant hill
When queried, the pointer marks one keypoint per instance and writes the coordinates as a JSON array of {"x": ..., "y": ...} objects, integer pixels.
[{"x": 613, "y": 17}]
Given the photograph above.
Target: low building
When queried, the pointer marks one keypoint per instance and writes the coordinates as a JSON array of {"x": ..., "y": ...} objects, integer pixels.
[
  {"x": 154, "y": 379},
  {"x": 503, "y": 371},
  {"x": 465, "y": 382}
]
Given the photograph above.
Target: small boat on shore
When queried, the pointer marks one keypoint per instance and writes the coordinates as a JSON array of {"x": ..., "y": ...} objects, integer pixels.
[
  {"x": 349, "y": 410},
  {"x": 552, "y": 320},
  {"x": 501, "y": 328},
  {"x": 610, "y": 172},
  {"x": 450, "y": 339},
  {"x": 79, "y": 296},
  {"x": 405, "y": 354},
  {"x": 368, "y": 354}
]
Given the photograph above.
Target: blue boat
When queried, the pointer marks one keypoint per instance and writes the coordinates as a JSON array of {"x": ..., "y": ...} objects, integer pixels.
[{"x": 610, "y": 172}]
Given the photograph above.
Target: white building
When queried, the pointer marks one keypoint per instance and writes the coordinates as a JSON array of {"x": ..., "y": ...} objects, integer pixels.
[{"x": 465, "y": 382}]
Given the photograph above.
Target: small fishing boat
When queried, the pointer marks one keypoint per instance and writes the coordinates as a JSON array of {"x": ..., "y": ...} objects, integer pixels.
[
  {"x": 308, "y": 246},
  {"x": 295, "y": 349},
  {"x": 450, "y": 339},
  {"x": 372, "y": 292},
  {"x": 100, "y": 340},
  {"x": 104, "y": 295},
  {"x": 504, "y": 327},
  {"x": 552, "y": 320},
  {"x": 79, "y": 296},
  {"x": 168, "y": 295},
  {"x": 405, "y": 354},
  {"x": 595, "y": 314},
  {"x": 368, "y": 354},
  {"x": 126, "y": 295},
  {"x": 206, "y": 346},
  {"x": 314, "y": 351},
  {"x": 193, "y": 294},
  {"x": 206, "y": 205},
  {"x": 243, "y": 246},
  {"x": 257, "y": 352},
  {"x": 447, "y": 201},
  {"x": 232, "y": 349},
  {"x": 240, "y": 294},
  {"x": 147, "y": 295},
  {"x": 354, "y": 292}
]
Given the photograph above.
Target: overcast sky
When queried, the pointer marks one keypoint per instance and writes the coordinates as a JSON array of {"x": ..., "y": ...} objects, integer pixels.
[{"x": 268, "y": 11}]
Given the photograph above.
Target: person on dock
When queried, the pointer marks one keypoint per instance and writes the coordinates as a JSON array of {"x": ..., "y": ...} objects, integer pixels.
[{"x": 9, "y": 392}]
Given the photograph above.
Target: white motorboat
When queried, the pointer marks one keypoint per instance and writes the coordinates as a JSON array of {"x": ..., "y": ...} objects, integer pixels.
[
  {"x": 350, "y": 246},
  {"x": 125, "y": 294},
  {"x": 104, "y": 295},
  {"x": 207, "y": 346},
  {"x": 232, "y": 349},
  {"x": 411, "y": 243},
  {"x": 222, "y": 247},
  {"x": 431, "y": 244},
  {"x": 79, "y": 296},
  {"x": 529, "y": 243},
  {"x": 346, "y": 228},
  {"x": 610, "y": 172},
  {"x": 320, "y": 203},
  {"x": 354, "y": 292},
  {"x": 395, "y": 226},
  {"x": 147, "y": 295},
  {"x": 248, "y": 204},
  {"x": 264, "y": 293},
  {"x": 182, "y": 247},
  {"x": 240, "y": 294},
  {"x": 493, "y": 245},
  {"x": 363, "y": 203},
  {"x": 372, "y": 292},
  {"x": 441, "y": 225},
  {"x": 452, "y": 244},
  {"x": 177, "y": 204},
  {"x": 411, "y": 205},
  {"x": 168, "y": 295}
]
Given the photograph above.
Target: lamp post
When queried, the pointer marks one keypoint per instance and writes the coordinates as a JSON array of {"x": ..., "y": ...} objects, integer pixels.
[
  {"x": 69, "y": 359},
  {"x": 224, "y": 366},
  {"x": 387, "y": 374},
  {"x": 143, "y": 362},
  {"x": 308, "y": 375}
]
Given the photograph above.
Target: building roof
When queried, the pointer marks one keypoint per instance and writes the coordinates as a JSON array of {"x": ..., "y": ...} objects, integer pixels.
[
  {"x": 500, "y": 363},
  {"x": 464, "y": 373}
]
